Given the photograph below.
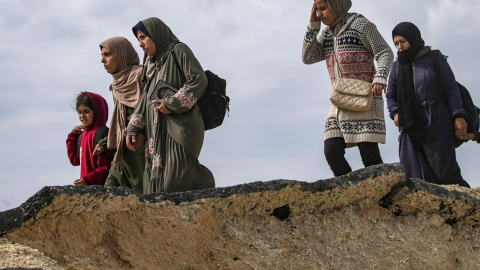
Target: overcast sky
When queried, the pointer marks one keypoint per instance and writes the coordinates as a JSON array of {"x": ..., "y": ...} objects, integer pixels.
[{"x": 49, "y": 53}]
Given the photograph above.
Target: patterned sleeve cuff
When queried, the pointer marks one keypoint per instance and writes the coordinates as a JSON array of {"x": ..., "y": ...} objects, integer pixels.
[
  {"x": 379, "y": 80},
  {"x": 186, "y": 99},
  {"x": 314, "y": 25},
  {"x": 311, "y": 34},
  {"x": 136, "y": 124},
  {"x": 137, "y": 121}
]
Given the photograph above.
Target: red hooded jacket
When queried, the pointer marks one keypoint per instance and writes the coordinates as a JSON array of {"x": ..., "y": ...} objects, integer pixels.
[{"x": 94, "y": 169}]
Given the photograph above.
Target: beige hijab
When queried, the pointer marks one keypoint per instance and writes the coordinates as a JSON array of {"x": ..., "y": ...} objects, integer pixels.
[
  {"x": 127, "y": 86},
  {"x": 340, "y": 9}
]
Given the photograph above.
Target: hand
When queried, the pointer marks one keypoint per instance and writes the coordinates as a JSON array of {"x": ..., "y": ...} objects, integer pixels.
[
  {"x": 135, "y": 141},
  {"x": 161, "y": 108},
  {"x": 313, "y": 16},
  {"x": 460, "y": 128},
  {"x": 470, "y": 136},
  {"x": 79, "y": 182},
  {"x": 377, "y": 89},
  {"x": 395, "y": 119},
  {"x": 78, "y": 129},
  {"x": 98, "y": 150}
]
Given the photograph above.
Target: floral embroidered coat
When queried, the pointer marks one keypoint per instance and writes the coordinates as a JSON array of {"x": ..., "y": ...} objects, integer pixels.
[
  {"x": 173, "y": 141},
  {"x": 356, "y": 46}
]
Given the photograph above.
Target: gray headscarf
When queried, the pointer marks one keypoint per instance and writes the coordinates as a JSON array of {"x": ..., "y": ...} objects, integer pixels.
[{"x": 340, "y": 9}]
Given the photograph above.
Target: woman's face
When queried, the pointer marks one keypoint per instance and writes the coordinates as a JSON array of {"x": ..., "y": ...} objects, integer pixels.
[
  {"x": 108, "y": 60},
  {"x": 146, "y": 43},
  {"x": 401, "y": 43},
  {"x": 85, "y": 114},
  {"x": 324, "y": 12}
]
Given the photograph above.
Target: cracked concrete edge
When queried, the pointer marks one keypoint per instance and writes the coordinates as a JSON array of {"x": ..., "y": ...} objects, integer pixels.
[
  {"x": 14, "y": 218},
  {"x": 415, "y": 195}
]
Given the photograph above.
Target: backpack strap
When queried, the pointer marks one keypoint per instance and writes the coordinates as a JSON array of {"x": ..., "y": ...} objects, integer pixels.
[
  {"x": 440, "y": 83},
  {"x": 176, "y": 60},
  {"x": 101, "y": 133},
  {"x": 434, "y": 59}
]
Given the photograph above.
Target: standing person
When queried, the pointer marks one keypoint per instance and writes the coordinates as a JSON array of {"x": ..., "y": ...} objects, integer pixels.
[
  {"x": 349, "y": 43},
  {"x": 121, "y": 60},
  {"x": 93, "y": 113},
  {"x": 427, "y": 118},
  {"x": 173, "y": 125}
]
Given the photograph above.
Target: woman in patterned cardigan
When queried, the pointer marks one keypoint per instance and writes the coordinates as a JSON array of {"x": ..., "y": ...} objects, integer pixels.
[{"x": 349, "y": 44}]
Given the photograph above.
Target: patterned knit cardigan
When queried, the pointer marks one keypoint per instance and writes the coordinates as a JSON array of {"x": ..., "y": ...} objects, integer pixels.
[{"x": 356, "y": 47}]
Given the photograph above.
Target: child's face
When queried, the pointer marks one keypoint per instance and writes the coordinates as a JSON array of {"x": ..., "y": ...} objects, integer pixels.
[{"x": 85, "y": 114}]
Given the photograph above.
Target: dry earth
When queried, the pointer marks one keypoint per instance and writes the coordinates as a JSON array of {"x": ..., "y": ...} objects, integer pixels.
[
  {"x": 358, "y": 226},
  {"x": 16, "y": 256}
]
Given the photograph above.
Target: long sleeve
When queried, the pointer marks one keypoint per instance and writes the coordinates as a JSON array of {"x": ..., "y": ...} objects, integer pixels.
[
  {"x": 195, "y": 85},
  {"x": 392, "y": 92},
  {"x": 137, "y": 120},
  {"x": 103, "y": 142},
  {"x": 72, "y": 150},
  {"x": 376, "y": 44},
  {"x": 312, "y": 50},
  {"x": 99, "y": 175},
  {"x": 454, "y": 100}
]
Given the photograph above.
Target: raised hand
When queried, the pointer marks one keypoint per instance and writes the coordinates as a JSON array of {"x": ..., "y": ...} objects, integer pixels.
[
  {"x": 314, "y": 16},
  {"x": 78, "y": 129}
]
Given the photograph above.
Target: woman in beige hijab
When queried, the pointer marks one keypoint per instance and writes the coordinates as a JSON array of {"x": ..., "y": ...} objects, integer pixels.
[{"x": 121, "y": 60}]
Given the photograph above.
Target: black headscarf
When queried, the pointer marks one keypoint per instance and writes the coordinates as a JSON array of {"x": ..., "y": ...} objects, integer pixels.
[
  {"x": 406, "y": 98},
  {"x": 140, "y": 26}
]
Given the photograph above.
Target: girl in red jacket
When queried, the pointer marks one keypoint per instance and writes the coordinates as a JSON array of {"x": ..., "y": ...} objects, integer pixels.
[{"x": 93, "y": 113}]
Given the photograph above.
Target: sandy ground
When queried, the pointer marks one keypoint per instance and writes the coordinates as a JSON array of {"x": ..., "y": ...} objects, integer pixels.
[
  {"x": 15, "y": 256},
  {"x": 344, "y": 228}
]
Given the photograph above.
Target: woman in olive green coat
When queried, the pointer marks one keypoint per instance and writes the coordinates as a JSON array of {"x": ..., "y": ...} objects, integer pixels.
[{"x": 171, "y": 126}]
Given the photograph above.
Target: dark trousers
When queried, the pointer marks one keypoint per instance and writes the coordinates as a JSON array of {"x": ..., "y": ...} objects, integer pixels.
[{"x": 335, "y": 154}]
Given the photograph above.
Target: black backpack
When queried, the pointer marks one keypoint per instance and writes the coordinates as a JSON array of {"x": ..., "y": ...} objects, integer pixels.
[
  {"x": 472, "y": 111},
  {"x": 214, "y": 102},
  {"x": 101, "y": 133}
]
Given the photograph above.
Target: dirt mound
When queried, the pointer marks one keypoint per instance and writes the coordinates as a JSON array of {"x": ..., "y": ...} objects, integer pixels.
[
  {"x": 370, "y": 219},
  {"x": 16, "y": 256}
]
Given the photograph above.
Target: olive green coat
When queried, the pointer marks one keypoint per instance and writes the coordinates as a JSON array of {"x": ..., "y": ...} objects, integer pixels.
[
  {"x": 173, "y": 141},
  {"x": 130, "y": 170}
]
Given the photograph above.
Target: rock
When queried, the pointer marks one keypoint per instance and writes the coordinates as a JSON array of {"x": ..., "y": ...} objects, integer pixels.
[
  {"x": 14, "y": 218},
  {"x": 368, "y": 219}
]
